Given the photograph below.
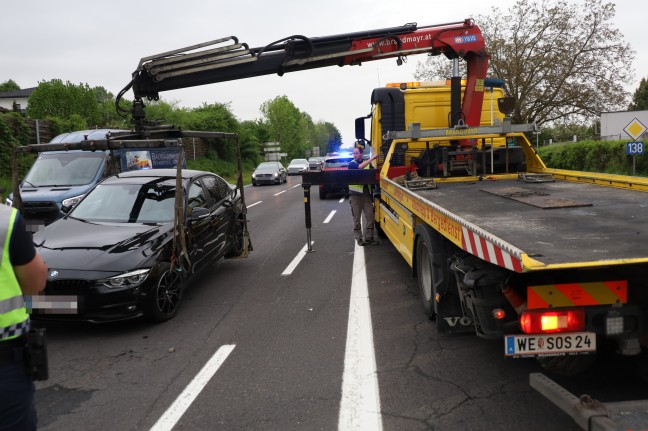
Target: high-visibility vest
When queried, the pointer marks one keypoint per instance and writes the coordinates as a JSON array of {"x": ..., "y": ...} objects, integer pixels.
[
  {"x": 359, "y": 188},
  {"x": 14, "y": 320}
]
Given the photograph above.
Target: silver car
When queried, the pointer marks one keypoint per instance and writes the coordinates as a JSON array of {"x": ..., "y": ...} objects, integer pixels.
[
  {"x": 297, "y": 166},
  {"x": 315, "y": 163},
  {"x": 269, "y": 173}
]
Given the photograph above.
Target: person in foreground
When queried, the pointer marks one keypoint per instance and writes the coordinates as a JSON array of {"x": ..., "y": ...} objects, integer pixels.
[
  {"x": 22, "y": 272},
  {"x": 361, "y": 200}
]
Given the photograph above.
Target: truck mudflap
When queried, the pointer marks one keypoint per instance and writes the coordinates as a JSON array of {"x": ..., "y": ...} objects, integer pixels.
[{"x": 591, "y": 414}]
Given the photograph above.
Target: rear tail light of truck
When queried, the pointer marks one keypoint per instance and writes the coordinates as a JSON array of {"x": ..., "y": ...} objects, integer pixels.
[{"x": 546, "y": 322}]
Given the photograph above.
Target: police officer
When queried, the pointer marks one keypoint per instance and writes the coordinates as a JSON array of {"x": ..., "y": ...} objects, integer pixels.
[
  {"x": 361, "y": 200},
  {"x": 22, "y": 272}
]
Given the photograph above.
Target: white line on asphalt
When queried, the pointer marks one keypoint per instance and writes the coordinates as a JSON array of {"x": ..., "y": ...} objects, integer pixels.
[
  {"x": 341, "y": 199},
  {"x": 360, "y": 404},
  {"x": 283, "y": 191},
  {"x": 296, "y": 185},
  {"x": 182, "y": 403},
  {"x": 256, "y": 203},
  {"x": 290, "y": 268},
  {"x": 330, "y": 216}
]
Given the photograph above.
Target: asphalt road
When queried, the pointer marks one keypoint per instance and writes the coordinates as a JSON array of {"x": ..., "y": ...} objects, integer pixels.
[{"x": 274, "y": 332}]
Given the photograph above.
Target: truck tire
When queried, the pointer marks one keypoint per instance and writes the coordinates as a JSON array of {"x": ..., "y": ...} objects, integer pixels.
[
  {"x": 435, "y": 278},
  {"x": 424, "y": 277},
  {"x": 567, "y": 365}
]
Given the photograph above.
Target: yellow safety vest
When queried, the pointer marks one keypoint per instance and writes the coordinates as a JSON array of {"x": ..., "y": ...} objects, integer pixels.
[
  {"x": 359, "y": 188},
  {"x": 14, "y": 320}
]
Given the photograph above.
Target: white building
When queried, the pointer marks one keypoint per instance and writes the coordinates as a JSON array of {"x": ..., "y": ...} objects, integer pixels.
[{"x": 15, "y": 100}]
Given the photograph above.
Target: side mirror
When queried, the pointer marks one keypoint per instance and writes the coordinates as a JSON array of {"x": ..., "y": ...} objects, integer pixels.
[
  {"x": 360, "y": 128},
  {"x": 506, "y": 105},
  {"x": 199, "y": 214}
]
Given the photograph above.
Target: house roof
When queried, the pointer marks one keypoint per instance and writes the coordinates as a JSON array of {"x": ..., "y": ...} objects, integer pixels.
[{"x": 25, "y": 92}]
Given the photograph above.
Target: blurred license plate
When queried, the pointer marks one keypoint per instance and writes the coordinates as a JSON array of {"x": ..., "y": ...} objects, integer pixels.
[
  {"x": 34, "y": 227},
  {"x": 550, "y": 344}
]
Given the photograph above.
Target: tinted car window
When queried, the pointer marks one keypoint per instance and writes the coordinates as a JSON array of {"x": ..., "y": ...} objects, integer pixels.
[
  {"x": 127, "y": 203},
  {"x": 196, "y": 196},
  {"x": 217, "y": 187}
]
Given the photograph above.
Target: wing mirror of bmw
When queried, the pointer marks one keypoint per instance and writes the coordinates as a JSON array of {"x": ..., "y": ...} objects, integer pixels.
[{"x": 199, "y": 214}]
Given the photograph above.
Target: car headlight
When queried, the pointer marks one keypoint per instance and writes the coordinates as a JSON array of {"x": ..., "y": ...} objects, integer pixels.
[
  {"x": 129, "y": 279},
  {"x": 276, "y": 174},
  {"x": 70, "y": 202}
]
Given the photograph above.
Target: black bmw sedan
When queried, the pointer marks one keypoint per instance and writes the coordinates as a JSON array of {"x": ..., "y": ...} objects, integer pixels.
[{"x": 127, "y": 249}]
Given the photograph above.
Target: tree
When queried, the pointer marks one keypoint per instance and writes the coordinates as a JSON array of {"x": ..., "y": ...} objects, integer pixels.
[
  {"x": 640, "y": 97},
  {"x": 561, "y": 60},
  {"x": 327, "y": 137},
  {"x": 286, "y": 126},
  {"x": 9, "y": 85},
  {"x": 216, "y": 117},
  {"x": 56, "y": 99},
  {"x": 251, "y": 136}
]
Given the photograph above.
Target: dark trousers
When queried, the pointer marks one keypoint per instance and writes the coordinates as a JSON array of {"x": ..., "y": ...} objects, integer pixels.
[
  {"x": 17, "y": 409},
  {"x": 362, "y": 204}
]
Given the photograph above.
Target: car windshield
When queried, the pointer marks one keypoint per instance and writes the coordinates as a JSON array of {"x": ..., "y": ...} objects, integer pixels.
[
  {"x": 64, "y": 169},
  {"x": 268, "y": 165},
  {"x": 128, "y": 203},
  {"x": 299, "y": 162}
]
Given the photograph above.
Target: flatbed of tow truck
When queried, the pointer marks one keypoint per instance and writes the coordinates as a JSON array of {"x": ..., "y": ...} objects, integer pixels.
[{"x": 554, "y": 223}]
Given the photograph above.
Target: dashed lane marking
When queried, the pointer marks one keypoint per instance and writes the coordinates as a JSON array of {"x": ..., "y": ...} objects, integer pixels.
[{"x": 173, "y": 414}]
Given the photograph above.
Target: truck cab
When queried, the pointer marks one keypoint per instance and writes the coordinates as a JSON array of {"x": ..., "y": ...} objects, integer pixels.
[{"x": 58, "y": 180}]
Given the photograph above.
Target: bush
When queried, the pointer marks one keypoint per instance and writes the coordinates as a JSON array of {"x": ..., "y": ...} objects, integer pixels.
[
  {"x": 225, "y": 169},
  {"x": 593, "y": 156},
  {"x": 14, "y": 132}
]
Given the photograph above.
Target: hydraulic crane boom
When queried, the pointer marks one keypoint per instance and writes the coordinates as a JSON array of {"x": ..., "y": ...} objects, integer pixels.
[{"x": 226, "y": 59}]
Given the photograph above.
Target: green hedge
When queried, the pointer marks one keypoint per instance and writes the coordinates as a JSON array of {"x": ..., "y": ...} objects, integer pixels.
[{"x": 593, "y": 156}]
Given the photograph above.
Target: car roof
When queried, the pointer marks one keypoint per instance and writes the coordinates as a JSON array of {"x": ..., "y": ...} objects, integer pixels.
[
  {"x": 148, "y": 174},
  {"x": 82, "y": 135}
]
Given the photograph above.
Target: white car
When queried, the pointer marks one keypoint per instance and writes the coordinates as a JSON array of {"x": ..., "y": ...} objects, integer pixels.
[{"x": 297, "y": 166}]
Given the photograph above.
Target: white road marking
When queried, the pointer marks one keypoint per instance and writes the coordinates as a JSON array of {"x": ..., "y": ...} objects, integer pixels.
[
  {"x": 283, "y": 191},
  {"x": 330, "y": 216},
  {"x": 342, "y": 199},
  {"x": 360, "y": 404},
  {"x": 256, "y": 203},
  {"x": 173, "y": 414},
  {"x": 290, "y": 268},
  {"x": 296, "y": 185}
]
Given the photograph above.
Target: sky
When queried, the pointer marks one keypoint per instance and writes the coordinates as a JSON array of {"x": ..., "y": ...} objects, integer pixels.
[{"x": 84, "y": 43}]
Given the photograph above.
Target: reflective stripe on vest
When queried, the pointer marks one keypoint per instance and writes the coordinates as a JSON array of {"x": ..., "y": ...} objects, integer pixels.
[
  {"x": 14, "y": 320},
  {"x": 360, "y": 188}
]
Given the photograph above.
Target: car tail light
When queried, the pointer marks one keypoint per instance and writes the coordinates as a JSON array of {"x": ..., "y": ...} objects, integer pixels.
[{"x": 539, "y": 322}]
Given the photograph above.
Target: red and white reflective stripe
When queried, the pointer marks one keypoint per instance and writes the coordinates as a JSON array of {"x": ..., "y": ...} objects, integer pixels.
[{"x": 487, "y": 250}]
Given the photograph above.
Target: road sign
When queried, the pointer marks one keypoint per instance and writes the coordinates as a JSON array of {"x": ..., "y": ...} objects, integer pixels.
[
  {"x": 635, "y": 129},
  {"x": 635, "y": 148}
]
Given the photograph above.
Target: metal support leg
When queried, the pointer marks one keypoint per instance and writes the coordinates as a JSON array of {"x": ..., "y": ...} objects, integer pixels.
[{"x": 307, "y": 210}]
